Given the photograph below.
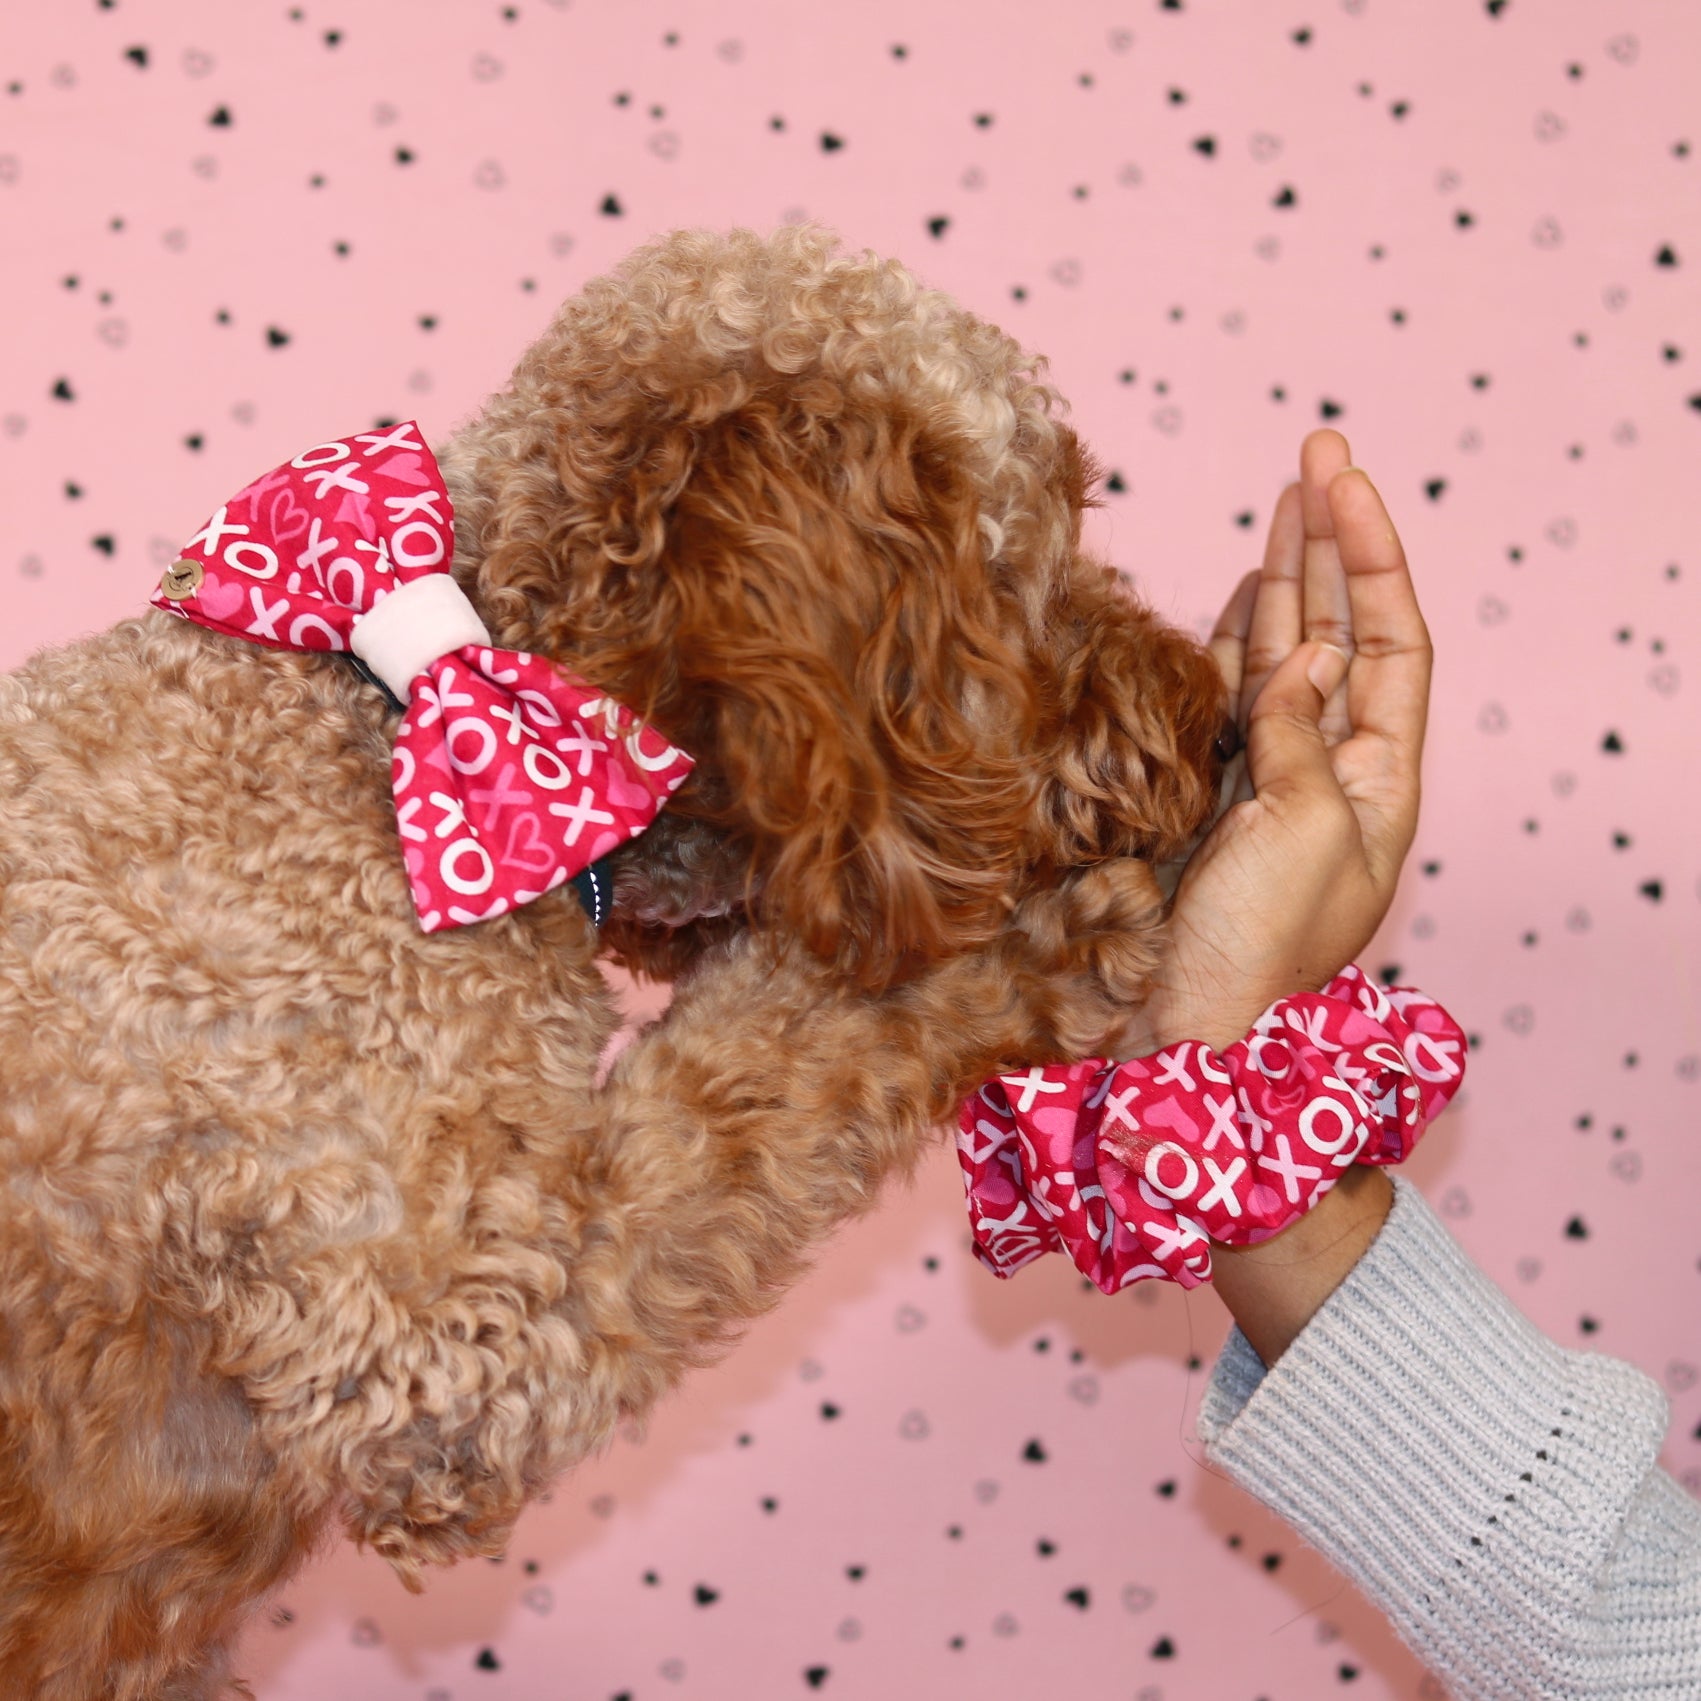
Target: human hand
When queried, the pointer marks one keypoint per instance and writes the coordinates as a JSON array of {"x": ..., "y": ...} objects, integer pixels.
[{"x": 1327, "y": 661}]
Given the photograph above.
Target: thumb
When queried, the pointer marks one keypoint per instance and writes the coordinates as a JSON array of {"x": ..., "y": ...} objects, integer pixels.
[{"x": 1284, "y": 740}]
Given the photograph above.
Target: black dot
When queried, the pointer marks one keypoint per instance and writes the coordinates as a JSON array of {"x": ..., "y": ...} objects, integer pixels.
[
  {"x": 651, "y": 1578},
  {"x": 105, "y": 543},
  {"x": 1345, "y": 1672},
  {"x": 1389, "y": 974},
  {"x": 404, "y": 156},
  {"x": 1078, "y": 1597},
  {"x": 1034, "y": 1453},
  {"x": 62, "y": 391},
  {"x": 1612, "y": 744},
  {"x": 1301, "y": 38},
  {"x": 1167, "y": 1488},
  {"x": 1588, "y": 1325},
  {"x": 828, "y": 1411},
  {"x": 428, "y": 321},
  {"x": 769, "y": 1503},
  {"x": 137, "y": 56},
  {"x": 1400, "y": 108},
  {"x": 611, "y": 207},
  {"x": 1163, "y": 1649},
  {"x": 938, "y": 225},
  {"x": 776, "y": 123},
  {"x": 899, "y": 51},
  {"x": 1463, "y": 219},
  {"x": 984, "y": 120},
  {"x": 704, "y": 1595},
  {"x": 1329, "y": 409},
  {"x": 220, "y": 116},
  {"x": 1434, "y": 489},
  {"x": 1432, "y": 868},
  {"x": 333, "y": 37},
  {"x": 1045, "y": 1549},
  {"x": 930, "y": 1262},
  {"x": 1116, "y": 484},
  {"x": 815, "y": 1676},
  {"x": 1577, "y": 1229},
  {"x": 1206, "y": 145},
  {"x": 830, "y": 144},
  {"x": 1667, "y": 256},
  {"x": 856, "y": 1572},
  {"x": 487, "y": 1660},
  {"x": 1653, "y": 890},
  {"x": 1271, "y": 1561},
  {"x": 193, "y": 441},
  {"x": 275, "y": 337}
]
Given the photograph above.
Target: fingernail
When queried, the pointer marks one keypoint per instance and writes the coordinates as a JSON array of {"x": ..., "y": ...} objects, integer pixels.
[{"x": 1327, "y": 668}]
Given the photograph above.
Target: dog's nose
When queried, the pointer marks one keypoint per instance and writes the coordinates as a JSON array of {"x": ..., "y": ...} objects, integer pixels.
[{"x": 1228, "y": 741}]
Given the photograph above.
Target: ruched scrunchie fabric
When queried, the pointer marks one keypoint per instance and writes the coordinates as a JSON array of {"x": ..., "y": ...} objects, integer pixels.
[{"x": 1134, "y": 1168}]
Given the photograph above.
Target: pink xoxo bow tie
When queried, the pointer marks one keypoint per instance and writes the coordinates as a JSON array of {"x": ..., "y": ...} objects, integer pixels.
[{"x": 510, "y": 775}]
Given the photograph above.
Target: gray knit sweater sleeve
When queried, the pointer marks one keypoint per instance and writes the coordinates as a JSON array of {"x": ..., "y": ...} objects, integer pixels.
[{"x": 1495, "y": 1494}]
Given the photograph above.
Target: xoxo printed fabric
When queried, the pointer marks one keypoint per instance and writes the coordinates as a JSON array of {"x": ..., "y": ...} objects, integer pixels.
[
  {"x": 510, "y": 776},
  {"x": 1134, "y": 1168}
]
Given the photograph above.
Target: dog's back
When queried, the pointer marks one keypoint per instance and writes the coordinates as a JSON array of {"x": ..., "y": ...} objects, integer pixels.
[{"x": 245, "y": 1104}]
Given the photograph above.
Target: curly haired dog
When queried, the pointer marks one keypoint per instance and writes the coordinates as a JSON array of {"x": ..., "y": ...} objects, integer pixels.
[{"x": 309, "y": 1219}]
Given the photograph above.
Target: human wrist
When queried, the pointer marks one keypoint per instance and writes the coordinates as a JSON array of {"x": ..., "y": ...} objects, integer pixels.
[
  {"x": 1218, "y": 1022},
  {"x": 1274, "y": 1289}
]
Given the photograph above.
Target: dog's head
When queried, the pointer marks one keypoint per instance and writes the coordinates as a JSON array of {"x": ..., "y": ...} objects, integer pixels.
[{"x": 821, "y": 527}]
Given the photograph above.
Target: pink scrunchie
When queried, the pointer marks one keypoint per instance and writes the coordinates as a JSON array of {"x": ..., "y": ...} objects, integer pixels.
[{"x": 1133, "y": 1168}]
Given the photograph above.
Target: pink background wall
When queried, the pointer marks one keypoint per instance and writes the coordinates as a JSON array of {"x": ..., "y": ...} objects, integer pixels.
[{"x": 230, "y": 229}]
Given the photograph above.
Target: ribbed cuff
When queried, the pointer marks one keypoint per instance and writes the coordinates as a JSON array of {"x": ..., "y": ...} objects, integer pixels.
[{"x": 1471, "y": 1476}]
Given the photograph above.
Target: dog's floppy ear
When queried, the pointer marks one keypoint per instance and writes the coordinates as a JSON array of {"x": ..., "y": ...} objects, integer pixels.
[
  {"x": 847, "y": 681},
  {"x": 1133, "y": 771}
]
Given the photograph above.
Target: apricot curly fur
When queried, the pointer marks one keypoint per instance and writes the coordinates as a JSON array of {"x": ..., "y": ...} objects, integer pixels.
[{"x": 310, "y": 1221}]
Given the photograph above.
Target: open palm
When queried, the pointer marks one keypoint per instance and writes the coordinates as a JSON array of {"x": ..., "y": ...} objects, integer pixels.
[{"x": 1297, "y": 873}]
